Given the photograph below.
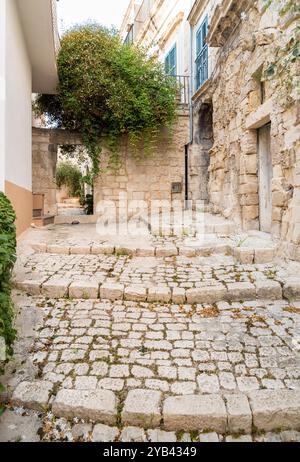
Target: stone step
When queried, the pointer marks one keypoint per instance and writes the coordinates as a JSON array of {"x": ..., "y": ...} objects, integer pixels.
[
  {"x": 264, "y": 410},
  {"x": 91, "y": 289},
  {"x": 244, "y": 255}
]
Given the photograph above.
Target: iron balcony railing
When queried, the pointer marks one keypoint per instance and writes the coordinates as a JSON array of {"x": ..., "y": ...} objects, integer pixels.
[
  {"x": 202, "y": 67},
  {"x": 143, "y": 15},
  {"x": 183, "y": 94}
]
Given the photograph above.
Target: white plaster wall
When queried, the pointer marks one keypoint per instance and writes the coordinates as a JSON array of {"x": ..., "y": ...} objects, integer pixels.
[
  {"x": 18, "y": 103},
  {"x": 2, "y": 92}
]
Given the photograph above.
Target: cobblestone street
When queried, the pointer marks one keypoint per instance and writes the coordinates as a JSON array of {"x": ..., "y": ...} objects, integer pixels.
[{"x": 200, "y": 345}]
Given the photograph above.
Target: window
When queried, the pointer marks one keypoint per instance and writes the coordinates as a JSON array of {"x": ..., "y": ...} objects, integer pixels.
[
  {"x": 171, "y": 61},
  {"x": 201, "y": 54}
]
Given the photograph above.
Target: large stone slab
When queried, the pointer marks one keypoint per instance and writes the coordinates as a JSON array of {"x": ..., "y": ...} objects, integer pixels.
[
  {"x": 97, "y": 405},
  {"x": 270, "y": 290},
  {"x": 275, "y": 409},
  {"x": 56, "y": 288},
  {"x": 111, "y": 291},
  {"x": 142, "y": 408},
  {"x": 19, "y": 428},
  {"x": 239, "y": 413},
  {"x": 84, "y": 289},
  {"x": 206, "y": 294},
  {"x": 195, "y": 412},
  {"x": 32, "y": 395},
  {"x": 291, "y": 289},
  {"x": 135, "y": 293},
  {"x": 240, "y": 291},
  {"x": 159, "y": 294}
]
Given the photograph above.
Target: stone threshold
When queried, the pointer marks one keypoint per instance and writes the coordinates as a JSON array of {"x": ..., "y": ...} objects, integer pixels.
[
  {"x": 90, "y": 289},
  {"x": 261, "y": 410},
  {"x": 243, "y": 255}
]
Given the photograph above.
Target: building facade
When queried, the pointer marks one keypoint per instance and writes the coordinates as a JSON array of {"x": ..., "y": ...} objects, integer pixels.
[
  {"x": 244, "y": 134},
  {"x": 28, "y": 44}
]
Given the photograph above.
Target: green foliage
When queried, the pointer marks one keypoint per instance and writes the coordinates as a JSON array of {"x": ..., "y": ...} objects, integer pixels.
[
  {"x": 69, "y": 175},
  {"x": 7, "y": 260},
  {"x": 108, "y": 90},
  {"x": 89, "y": 204}
]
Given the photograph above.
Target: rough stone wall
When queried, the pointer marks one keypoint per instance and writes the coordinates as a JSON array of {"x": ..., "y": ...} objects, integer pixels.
[
  {"x": 151, "y": 177},
  {"x": 238, "y": 111},
  {"x": 44, "y": 158}
]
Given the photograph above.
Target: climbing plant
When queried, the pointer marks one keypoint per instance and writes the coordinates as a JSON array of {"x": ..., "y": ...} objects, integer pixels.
[
  {"x": 284, "y": 65},
  {"x": 107, "y": 90},
  {"x": 7, "y": 260}
]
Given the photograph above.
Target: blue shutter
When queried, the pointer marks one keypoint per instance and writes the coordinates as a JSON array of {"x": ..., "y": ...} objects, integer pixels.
[
  {"x": 171, "y": 61},
  {"x": 201, "y": 54}
]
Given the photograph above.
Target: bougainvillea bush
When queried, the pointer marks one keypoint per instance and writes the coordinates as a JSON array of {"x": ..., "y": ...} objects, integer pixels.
[
  {"x": 7, "y": 260},
  {"x": 108, "y": 89}
]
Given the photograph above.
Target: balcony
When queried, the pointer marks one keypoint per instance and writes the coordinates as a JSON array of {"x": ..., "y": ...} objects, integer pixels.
[{"x": 143, "y": 15}]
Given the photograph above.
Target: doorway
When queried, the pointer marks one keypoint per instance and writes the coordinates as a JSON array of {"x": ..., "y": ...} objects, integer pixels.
[{"x": 265, "y": 178}]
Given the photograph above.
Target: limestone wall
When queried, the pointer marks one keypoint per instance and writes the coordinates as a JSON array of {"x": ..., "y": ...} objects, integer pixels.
[
  {"x": 151, "y": 177},
  {"x": 239, "y": 110}
]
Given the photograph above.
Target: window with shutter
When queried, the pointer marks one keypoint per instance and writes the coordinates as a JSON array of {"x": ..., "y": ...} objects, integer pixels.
[
  {"x": 201, "y": 54},
  {"x": 171, "y": 62}
]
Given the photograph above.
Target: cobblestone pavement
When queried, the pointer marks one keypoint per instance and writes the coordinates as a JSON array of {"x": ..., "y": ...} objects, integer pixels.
[{"x": 132, "y": 347}]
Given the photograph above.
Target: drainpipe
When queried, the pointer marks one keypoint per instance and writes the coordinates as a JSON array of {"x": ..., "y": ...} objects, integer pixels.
[{"x": 191, "y": 120}]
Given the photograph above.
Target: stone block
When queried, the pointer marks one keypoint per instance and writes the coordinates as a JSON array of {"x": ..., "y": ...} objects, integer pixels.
[
  {"x": 240, "y": 291},
  {"x": 244, "y": 255},
  {"x": 58, "y": 249},
  {"x": 39, "y": 247},
  {"x": 31, "y": 287},
  {"x": 270, "y": 290},
  {"x": 211, "y": 294},
  {"x": 104, "y": 249},
  {"x": 239, "y": 413},
  {"x": 160, "y": 436},
  {"x": 275, "y": 409},
  {"x": 145, "y": 251},
  {"x": 32, "y": 395},
  {"x": 56, "y": 288},
  {"x": 178, "y": 295},
  {"x": 104, "y": 434},
  {"x": 264, "y": 255},
  {"x": 187, "y": 252},
  {"x": 80, "y": 250},
  {"x": 97, "y": 405},
  {"x": 166, "y": 251},
  {"x": 195, "y": 412},
  {"x": 111, "y": 291},
  {"x": 135, "y": 293},
  {"x": 84, "y": 289},
  {"x": 159, "y": 294},
  {"x": 142, "y": 408},
  {"x": 291, "y": 289}
]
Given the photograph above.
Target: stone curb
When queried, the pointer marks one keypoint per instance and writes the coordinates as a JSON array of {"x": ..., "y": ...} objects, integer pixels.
[
  {"x": 242, "y": 255},
  {"x": 60, "y": 288},
  {"x": 262, "y": 410}
]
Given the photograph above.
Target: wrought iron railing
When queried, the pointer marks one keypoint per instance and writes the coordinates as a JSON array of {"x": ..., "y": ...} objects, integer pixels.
[
  {"x": 183, "y": 94},
  {"x": 202, "y": 67},
  {"x": 142, "y": 16}
]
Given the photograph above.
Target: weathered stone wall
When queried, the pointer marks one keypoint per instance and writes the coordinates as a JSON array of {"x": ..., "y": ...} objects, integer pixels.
[
  {"x": 239, "y": 110},
  {"x": 151, "y": 176},
  {"x": 44, "y": 159}
]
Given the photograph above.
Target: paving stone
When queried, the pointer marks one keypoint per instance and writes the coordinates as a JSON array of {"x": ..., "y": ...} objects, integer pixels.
[
  {"x": 133, "y": 435},
  {"x": 160, "y": 436},
  {"x": 104, "y": 434},
  {"x": 141, "y": 372},
  {"x": 135, "y": 293},
  {"x": 183, "y": 388},
  {"x": 178, "y": 295},
  {"x": 84, "y": 289},
  {"x": 166, "y": 251},
  {"x": 206, "y": 295},
  {"x": 239, "y": 439},
  {"x": 56, "y": 288},
  {"x": 209, "y": 437},
  {"x": 111, "y": 384},
  {"x": 142, "y": 407},
  {"x": 32, "y": 395},
  {"x": 110, "y": 291},
  {"x": 102, "y": 249},
  {"x": 247, "y": 383},
  {"x": 270, "y": 290},
  {"x": 290, "y": 436},
  {"x": 85, "y": 383},
  {"x": 19, "y": 428},
  {"x": 208, "y": 383},
  {"x": 264, "y": 255},
  {"x": 275, "y": 409},
  {"x": 240, "y": 291},
  {"x": 291, "y": 289},
  {"x": 97, "y": 405},
  {"x": 81, "y": 431},
  {"x": 58, "y": 249},
  {"x": 195, "y": 412},
  {"x": 239, "y": 413},
  {"x": 117, "y": 370},
  {"x": 159, "y": 294},
  {"x": 80, "y": 249},
  {"x": 32, "y": 287}
]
